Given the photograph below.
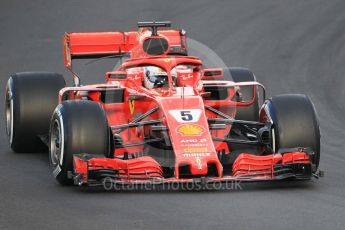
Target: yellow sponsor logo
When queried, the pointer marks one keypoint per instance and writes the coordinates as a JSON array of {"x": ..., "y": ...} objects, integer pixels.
[
  {"x": 131, "y": 106},
  {"x": 198, "y": 162},
  {"x": 195, "y": 150},
  {"x": 190, "y": 129}
]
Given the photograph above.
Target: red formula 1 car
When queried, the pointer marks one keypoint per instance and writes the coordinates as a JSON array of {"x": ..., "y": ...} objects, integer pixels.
[{"x": 160, "y": 117}]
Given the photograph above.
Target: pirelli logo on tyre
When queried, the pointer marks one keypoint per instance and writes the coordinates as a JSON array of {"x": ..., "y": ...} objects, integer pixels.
[{"x": 190, "y": 130}]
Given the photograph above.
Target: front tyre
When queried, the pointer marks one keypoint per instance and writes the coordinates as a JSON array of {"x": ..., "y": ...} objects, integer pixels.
[
  {"x": 295, "y": 123},
  {"x": 76, "y": 127}
]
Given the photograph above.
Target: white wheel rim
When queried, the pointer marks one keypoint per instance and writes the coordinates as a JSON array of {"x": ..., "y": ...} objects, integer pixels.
[
  {"x": 56, "y": 143},
  {"x": 273, "y": 140},
  {"x": 9, "y": 111}
]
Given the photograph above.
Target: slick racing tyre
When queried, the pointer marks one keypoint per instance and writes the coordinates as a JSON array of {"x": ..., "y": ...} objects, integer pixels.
[
  {"x": 76, "y": 127},
  {"x": 247, "y": 113},
  {"x": 30, "y": 101},
  {"x": 295, "y": 123},
  {"x": 236, "y": 74}
]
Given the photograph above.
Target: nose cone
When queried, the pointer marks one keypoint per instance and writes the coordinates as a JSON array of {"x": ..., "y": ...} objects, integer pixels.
[{"x": 190, "y": 136}]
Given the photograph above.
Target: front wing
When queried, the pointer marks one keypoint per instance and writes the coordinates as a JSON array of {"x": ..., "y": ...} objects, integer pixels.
[{"x": 93, "y": 171}]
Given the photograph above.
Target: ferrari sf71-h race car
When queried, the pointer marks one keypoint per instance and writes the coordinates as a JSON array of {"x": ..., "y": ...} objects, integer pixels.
[{"x": 160, "y": 117}]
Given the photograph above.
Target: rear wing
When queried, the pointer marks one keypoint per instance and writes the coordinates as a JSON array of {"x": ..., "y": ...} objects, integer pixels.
[
  {"x": 96, "y": 45},
  {"x": 117, "y": 44},
  {"x": 101, "y": 44}
]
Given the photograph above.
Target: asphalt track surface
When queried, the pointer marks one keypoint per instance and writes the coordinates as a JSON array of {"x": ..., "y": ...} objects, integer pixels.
[{"x": 292, "y": 46}]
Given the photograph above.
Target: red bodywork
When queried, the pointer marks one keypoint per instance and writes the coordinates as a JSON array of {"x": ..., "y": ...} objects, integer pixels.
[{"x": 194, "y": 143}]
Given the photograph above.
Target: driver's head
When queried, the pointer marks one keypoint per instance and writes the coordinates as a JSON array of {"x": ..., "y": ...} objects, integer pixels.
[{"x": 154, "y": 78}]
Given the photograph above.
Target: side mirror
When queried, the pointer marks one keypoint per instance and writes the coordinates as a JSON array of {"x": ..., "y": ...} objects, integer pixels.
[
  {"x": 116, "y": 75},
  {"x": 210, "y": 74}
]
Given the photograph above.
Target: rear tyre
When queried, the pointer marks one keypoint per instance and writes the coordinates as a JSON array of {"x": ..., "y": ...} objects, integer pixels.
[
  {"x": 248, "y": 113},
  {"x": 295, "y": 123},
  {"x": 30, "y": 101},
  {"x": 76, "y": 127}
]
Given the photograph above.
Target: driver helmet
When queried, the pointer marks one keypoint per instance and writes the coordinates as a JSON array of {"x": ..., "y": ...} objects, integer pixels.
[{"x": 155, "y": 77}]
